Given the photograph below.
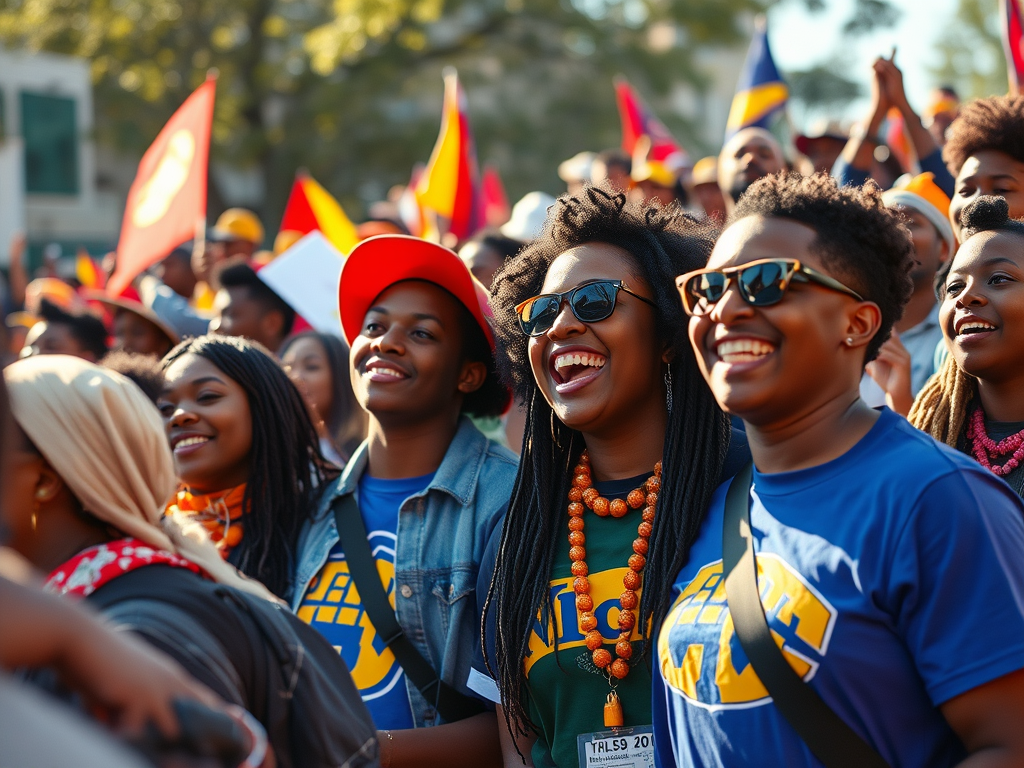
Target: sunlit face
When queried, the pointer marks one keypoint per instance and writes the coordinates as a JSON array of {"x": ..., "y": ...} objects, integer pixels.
[
  {"x": 747, "y": 157},
  {"x": 930, "y": 249},
  {"x": 406, "y": 363},
  {"x": 774, "y": 363},
  {"x": 134, "y": 333},
  {"x": 305, "y": 362},
  {"x": 982, "y": 312},
  {"x": 621, "y": 360},
  {"x": 988, "y": 172},
  {"x": 238, "y": 314},
  {"x": 20, "y": 473},
  {"x": 209, "y": 424}
]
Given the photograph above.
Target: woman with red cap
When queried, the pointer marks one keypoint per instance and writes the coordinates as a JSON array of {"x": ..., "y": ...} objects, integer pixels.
[{"x": 427, "y": 487}]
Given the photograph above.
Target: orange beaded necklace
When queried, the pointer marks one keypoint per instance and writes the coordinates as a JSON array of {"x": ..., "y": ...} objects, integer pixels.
[{"x": 582, "y": 495}]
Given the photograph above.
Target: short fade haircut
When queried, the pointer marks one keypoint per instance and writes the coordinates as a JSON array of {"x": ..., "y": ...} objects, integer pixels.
[
  {"x": 858, "y": 237},
  {"x": 993, "y": 123},
  {"x": 241, "y": 275},
  {"x": 86, "y": 329},
  {"x": 143, "y": 370}
]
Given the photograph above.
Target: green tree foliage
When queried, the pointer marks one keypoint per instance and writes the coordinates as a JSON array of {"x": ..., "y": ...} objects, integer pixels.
[
  {"x": 971, "y": 57},
  {"x": 351, "y": 89}
]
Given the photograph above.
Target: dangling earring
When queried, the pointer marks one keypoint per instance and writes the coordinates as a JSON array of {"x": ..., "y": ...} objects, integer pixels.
[
  {"x": 668, "y": 388},
  {"x": 34, "y": 520}
]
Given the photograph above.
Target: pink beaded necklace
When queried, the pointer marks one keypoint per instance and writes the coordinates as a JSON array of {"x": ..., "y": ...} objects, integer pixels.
[{"x": 983, "y": 446}]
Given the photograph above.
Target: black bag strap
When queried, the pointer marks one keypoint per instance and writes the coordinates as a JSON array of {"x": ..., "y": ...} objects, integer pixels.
[
  {"x": 830, "y": 739},
  {"x": 452, "y": 704}
]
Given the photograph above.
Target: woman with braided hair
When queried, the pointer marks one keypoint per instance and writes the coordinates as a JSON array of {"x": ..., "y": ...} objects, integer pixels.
[
  {"x": 246, "y": 453},
  {"x": 975, "y": 402},
  {"x": 623, "y": 447}
]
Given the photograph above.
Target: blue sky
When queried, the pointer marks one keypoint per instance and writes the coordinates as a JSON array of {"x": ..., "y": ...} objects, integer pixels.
[{"x": 800, "y": 39}]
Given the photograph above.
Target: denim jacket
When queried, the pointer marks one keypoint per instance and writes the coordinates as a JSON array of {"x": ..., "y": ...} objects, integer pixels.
[{"x": 442, "y": 533}]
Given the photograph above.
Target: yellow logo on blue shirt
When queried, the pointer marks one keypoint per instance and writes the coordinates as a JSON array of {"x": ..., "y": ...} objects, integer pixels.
[
  {"x": 333, "y": 607},
  {"x": 702, "y": 659},
  {"x": 605, "y": 588}
]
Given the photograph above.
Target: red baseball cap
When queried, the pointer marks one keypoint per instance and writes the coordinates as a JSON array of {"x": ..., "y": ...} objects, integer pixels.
[{"x": 379, "y": 262}]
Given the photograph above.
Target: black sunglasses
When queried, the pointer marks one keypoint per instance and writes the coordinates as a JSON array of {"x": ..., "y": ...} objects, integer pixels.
[
  {"x": 590, "y": 303},
  {"x": 760, "y": 284}
]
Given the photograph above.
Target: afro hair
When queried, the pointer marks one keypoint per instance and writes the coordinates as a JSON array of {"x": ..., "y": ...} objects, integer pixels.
[
  {"x": 993, "y": 123},
  {"x": 858, "y": 238}
]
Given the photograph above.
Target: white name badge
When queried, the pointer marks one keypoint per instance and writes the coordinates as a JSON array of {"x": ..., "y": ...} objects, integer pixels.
[{"x": 617, "y": 748}]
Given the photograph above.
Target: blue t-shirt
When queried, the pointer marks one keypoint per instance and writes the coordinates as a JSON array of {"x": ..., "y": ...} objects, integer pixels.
[
  {"x": 894, "y": 577},
  {"x": 333, "y": 607}
]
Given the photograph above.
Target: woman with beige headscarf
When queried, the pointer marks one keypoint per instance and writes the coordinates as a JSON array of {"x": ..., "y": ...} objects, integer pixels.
[
  {"x": 102, "y": 471},
  {"x": 87, "y": 478}
]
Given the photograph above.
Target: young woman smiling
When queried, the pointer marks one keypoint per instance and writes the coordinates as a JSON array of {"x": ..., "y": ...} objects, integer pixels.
[
  {"x": 318, "y": 364},
  {"x": 873, "y": 541},
  {"x": 245, "y": 451},
  {"x": 976, "y": 402},
  {"x": 429, "y": 489},
  {"x": 618, "y": 419}
]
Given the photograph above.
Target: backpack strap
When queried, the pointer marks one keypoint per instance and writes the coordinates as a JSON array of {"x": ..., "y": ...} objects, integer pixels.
[
  {"x": 830, "y": 739},
  {"x": 450, "y": 703}
]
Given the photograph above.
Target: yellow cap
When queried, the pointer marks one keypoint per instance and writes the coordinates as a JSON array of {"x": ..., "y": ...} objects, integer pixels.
[
  {"x": 239, "y": 224},
  {"x": 53, "y": 290},
  {"x": 705, "y": 171}
]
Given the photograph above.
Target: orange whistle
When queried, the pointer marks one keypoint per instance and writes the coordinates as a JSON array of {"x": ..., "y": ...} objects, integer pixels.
[{"x": 613, "y": 711}]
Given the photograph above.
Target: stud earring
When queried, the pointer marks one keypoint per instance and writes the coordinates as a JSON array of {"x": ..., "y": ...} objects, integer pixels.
[{"x": 849, "y": 341}]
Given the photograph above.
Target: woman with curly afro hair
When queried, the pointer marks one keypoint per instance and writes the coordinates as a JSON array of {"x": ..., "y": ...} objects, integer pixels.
[
  {"x": 976, "y": 402},
  {"x": 873, "y": 542},
  {"x": 985, "y": 151},
  {"x": 624, "y": 446}
]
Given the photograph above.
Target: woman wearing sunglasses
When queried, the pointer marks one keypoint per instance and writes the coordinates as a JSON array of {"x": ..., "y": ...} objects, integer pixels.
[
  {"x": 891, "y": 567},
  {"x": 624, "y": 446}
]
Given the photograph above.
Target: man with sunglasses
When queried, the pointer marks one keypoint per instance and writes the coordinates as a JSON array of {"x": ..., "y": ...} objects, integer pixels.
[{"x": 890, "y": 568}]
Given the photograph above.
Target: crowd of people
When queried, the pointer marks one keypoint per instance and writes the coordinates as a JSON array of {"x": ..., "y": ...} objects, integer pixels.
[{"x": 516, "y": 508}]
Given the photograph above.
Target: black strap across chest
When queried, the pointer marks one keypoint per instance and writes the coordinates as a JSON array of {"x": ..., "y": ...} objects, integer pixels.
[
  {"x": 450, "y": 703},
  {"x": 830, "y": 739}
]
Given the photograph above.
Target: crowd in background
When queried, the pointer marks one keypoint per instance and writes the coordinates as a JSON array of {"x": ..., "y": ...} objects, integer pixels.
[{"x": 529, "y": 439}]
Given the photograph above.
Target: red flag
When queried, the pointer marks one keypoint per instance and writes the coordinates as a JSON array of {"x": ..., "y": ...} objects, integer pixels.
[
  {"x": 168, "y": 197},
  {"x": 496, "y": 207},
  {"x": 310, "y": 207},
  {"x": 638, "y": 120},
  {"x": 1013, "y": 43},
  {"x": 449, "y": 188}
]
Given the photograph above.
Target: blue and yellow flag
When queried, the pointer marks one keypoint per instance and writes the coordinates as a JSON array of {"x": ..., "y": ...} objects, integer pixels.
[{"x": 760, "y": 92}]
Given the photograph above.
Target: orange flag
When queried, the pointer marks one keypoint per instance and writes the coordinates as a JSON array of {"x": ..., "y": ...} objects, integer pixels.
[
  {"x": 167, "y": 200},
  {"x": 310, "y": 207},
  {"x": 449, "y": 189}
]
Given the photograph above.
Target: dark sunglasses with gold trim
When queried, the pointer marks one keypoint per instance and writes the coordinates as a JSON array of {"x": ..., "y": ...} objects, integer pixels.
[
  {"x": 759, "y": 283},
  {"x": 590, "y": 303}
]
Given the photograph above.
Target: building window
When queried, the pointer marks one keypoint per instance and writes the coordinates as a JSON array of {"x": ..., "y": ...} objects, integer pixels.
[{"x": 51, "y": 144}]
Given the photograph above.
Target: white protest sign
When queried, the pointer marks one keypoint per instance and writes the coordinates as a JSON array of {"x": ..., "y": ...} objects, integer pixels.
[{"x": 306, "y": 276}]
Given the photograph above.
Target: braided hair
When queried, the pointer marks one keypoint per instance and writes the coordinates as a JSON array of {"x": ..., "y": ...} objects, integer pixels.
[
  {"x": 287, "y": 472},
  {"x": 663, "y": 243},
  {"x": 943, "y": 405}
]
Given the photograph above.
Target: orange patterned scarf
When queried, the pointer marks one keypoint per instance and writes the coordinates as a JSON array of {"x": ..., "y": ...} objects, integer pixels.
[{"x": 219, "y": 513}]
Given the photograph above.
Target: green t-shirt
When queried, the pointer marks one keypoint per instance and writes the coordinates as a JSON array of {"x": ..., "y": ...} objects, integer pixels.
[{"x": 567, "y": 691}]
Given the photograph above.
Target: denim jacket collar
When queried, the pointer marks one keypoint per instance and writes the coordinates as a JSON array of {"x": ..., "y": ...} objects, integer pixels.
[{"x": 457, "y": 475}]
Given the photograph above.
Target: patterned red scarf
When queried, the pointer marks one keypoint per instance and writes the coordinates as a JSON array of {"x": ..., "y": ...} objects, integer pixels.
[{"x": 91, "y": 568}]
